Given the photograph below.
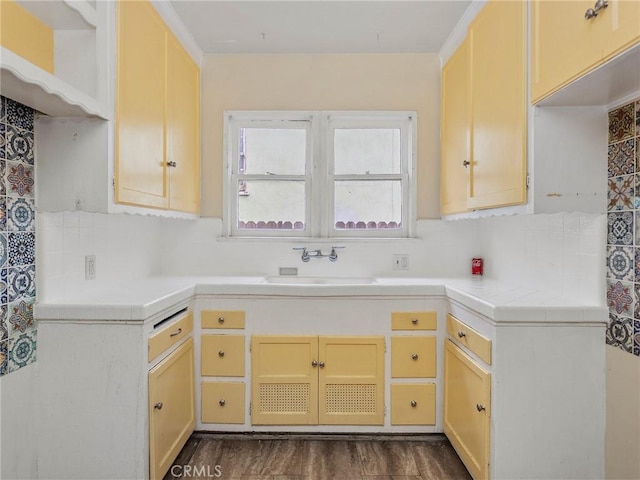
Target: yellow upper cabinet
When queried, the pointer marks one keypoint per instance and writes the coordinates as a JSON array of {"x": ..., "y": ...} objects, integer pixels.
[
  {"x": 498, "y": 107},
  {"x": 565, "y": 44},
  {"x": 157, "y": 114},
  {"x": 183, "y": 128},
  {"x": 454, "y": 170}
]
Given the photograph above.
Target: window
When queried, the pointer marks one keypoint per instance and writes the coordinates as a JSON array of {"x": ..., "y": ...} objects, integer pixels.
[{"x": 320, "y": 174}]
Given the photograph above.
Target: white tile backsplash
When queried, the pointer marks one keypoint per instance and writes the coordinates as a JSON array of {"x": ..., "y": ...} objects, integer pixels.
[{"x": 560, "y": 252}]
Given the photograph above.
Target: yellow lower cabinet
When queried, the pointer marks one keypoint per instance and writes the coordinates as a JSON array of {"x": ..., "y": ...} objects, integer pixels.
[
  {"x": 467, "y": 409},
  {"x": 230, "y": 319},
  {"x": 223, "y": 402},
  {"x": 310, "y": 380},
  {"x": 413, "y": 357},
  {"x": 351, "y": 379},
  {"x": 171, "y": 408},
  {"x": 222, "y": 355},
  {"x": 413, "y": 404},
  {"x": 284, "y": 380}
]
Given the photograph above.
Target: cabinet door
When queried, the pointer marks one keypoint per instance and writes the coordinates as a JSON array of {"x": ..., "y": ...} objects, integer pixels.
[
  {"x": 467, "y": 395},
  {"x": 183, "y": 128},
  {"x": 454, "y": 181},
  {"x": 498, "y": 105},
  {"x": 351, "y": 380},
  {"x": 284, "y": 380},
  {"x": 621, "y": 26},
  {"x": 171, "y": 408},
  {"x": 140, "y": 108},
  {"x": 563, "y": 43}
]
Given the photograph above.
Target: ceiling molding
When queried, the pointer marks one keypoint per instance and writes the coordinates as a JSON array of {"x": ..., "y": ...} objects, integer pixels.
[
  {"x": 459, "y": 32},
  {"x": 182, "y": 33}
]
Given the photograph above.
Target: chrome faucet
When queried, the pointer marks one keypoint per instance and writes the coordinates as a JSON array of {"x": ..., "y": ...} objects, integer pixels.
[{"x": 308, "y": 255}]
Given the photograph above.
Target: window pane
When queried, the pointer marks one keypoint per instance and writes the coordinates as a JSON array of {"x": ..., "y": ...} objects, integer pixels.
[
  {"x": 280, "y": 151},
  {"x": 271, "y": 204},
  {"x": 371, "y": 150},
  {"x": 368, "y": 204}
]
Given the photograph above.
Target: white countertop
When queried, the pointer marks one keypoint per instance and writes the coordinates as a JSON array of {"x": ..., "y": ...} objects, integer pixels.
[{"x": 138, "y": 300}]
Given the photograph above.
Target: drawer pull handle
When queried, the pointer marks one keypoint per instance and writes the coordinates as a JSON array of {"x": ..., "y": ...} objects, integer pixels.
[
  {"x": 158, "y": 406},
  {"x": 221, "y": 353},
  {"x": 172, "y": 164},
  {"x": 222, "y": 402},
  {"x": 480, "y": 407},
  {"x": 466, "y": 163},
  {"x": 414, "y": 321},
  {"x": 220, "y": 320},
  {"x": 175, "y": 334},
  {"x": 314, "y": 363},
  {"x": 593, "y": 12},
  {"x": 414, "y": 404},
  {"x": 414, "y": 356},
  {"x": 321, "y": 364},
  {"x": 461, "y": 334}
]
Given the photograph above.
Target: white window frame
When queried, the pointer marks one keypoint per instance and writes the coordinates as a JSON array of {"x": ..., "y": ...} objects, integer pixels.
[{"x": 319, "y": 173}]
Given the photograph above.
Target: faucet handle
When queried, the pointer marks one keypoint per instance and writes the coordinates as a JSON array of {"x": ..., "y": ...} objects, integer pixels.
[
  {"x": 305, "y": 254},
  {"x": 333, "y": 256}
]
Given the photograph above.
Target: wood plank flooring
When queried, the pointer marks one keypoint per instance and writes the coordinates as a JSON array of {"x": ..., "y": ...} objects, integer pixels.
[{"x": 263, "y": 457}]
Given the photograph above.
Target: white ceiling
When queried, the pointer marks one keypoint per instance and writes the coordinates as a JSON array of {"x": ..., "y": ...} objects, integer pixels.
[{"x": 320, "y": 26}]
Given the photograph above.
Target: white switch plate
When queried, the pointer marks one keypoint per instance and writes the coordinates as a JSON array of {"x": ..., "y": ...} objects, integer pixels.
[
  {"x": 90, "y": 267},
  {"x": 400, "y": 261}
]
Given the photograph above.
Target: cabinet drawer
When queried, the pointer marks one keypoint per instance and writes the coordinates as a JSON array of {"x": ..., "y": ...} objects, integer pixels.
[
  {"x": 223, "y": 402},
  {"x": 413, "y": 404},
  {"x": 470, "y": 338},
  {"x": 413, "y": 357},
  {"x": 413, "y": 320},
  {"x": 222, "y": 319},
  {"x": 170, "y": 335},
  {"x": 222, "y": 355}
]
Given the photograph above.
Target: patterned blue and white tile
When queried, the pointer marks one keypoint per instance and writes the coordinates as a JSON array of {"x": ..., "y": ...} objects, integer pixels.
[
  {"x": 620, "y": 297},
  {"x": 19, "y": 115},
  {"x": 621, "y": 158},
  {"x": 621, "y": 263},
  {"x": 620, "y": 332},
  {"x": 20, "y": 179},
  {"x": 21, "y": 283},
  {"x": 3, "y": 170},
  {"x": 4, "y": 357},
  {"x": 4, "y": 251},
  {"x": 19, "y": 145},
  {"x": 636, "y": 337},
  {"x": 21, "y": 214},
  {"x": 637, "y": 117},
  {"x": 620, "y": 228},
  {"x": 3, "y": 115},
  {"x": 22, "y": 248},
  {"x": 20, "y": 317},
  {"x": 4, "y": 292},
  {"x": 4, "y": 323},
  {"x": 3, "y": 141},
  {"x": 621, "y": 123},
  {"x": 22, "y": 350},
  {"x": 3, "y": 214},
  {"x": 620, "y": 194}
]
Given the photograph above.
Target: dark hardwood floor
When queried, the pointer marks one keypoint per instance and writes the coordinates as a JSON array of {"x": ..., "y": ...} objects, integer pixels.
[{"x": 293, "y": 457}]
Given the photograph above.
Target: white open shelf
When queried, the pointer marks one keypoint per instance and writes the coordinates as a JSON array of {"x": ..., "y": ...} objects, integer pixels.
[{"x": 63, "y": 14}]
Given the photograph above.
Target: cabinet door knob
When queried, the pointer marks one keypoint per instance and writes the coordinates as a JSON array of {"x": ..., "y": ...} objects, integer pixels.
[
  {"x": 466, "y": 163},
  {"x": 174, "y": 334},
  {"x": 222, "y": 402},
  {"x": 414, "y": 321},
  {"x": 461, "y": 334},
  {"x": 593, "y": 12},
  {"x": 414, "y": 404},
  {"x": 172, "y": 164},
  {"x": 220, "y": 320},
  {"x": 314, "y": 363},
  {"x": 321, "y": 364},
  {"x": 221, "y": 353},
  {"x": 414, "y": 356},
  {"x": 158, "y": 406},
  {"x": 480, "y": 407}
]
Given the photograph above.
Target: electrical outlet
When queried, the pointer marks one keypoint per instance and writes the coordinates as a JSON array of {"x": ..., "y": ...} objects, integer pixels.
[
  {"x": 90, "y": 267},
  {"x": 400, "y": 261}
]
